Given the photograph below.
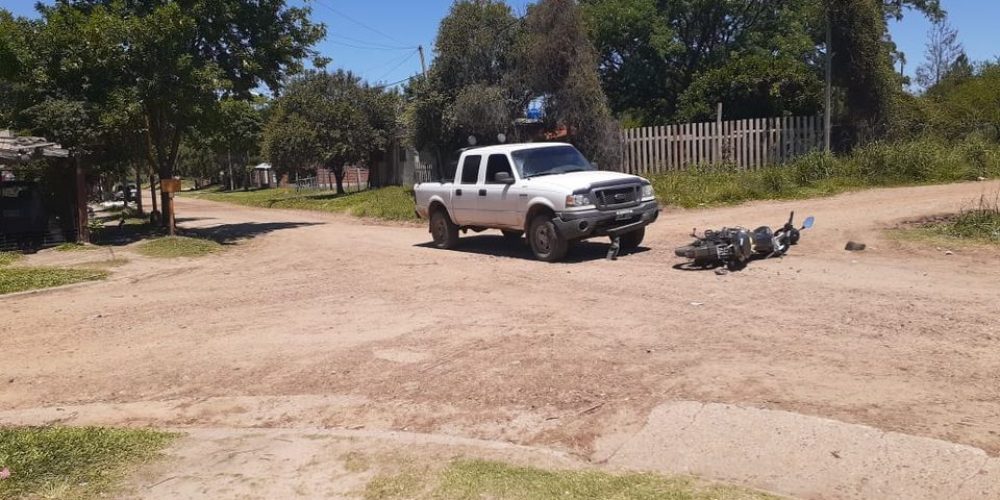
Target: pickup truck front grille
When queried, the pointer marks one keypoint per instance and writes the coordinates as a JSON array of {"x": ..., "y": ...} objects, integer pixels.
[{"x": 617, "y": 197}]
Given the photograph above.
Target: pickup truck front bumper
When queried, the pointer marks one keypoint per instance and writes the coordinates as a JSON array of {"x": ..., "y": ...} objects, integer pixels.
[{"x": 592, "y": 223}]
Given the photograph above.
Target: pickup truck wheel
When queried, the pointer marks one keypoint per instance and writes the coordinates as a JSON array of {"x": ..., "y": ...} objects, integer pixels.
[
  {"x": 630, "y": 241},
  {"x": 512, "y": 235},
  {"x": 443, "y": 230},
  {"x": 545, "y": 241}
]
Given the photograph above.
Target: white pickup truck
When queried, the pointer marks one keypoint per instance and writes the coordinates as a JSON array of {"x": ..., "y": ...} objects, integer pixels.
[{"x": 547, "y": 190}]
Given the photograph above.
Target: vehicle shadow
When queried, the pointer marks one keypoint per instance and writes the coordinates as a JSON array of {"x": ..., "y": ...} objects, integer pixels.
[{"x": 499, "y": 246}]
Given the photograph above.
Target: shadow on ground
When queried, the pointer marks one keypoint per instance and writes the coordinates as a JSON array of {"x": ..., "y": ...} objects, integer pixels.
[
  {"x": 225, "y": 234},
  {"x": 499, "y": 246},
  {"x": 228, "y": 234}
]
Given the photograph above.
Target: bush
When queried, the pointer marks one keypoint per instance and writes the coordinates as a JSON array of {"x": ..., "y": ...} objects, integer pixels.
[{"x": 877, "y": 164}]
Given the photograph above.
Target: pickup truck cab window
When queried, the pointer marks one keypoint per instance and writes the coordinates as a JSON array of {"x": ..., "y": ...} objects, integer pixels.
[
  {"x": 470, "y": 169},
  {"x": 495, "y": 165},
  {"x": 535, "y": 162}
]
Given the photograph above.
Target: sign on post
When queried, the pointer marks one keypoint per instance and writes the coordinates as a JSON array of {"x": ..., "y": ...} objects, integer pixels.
[{"x": 170, "y": 185}]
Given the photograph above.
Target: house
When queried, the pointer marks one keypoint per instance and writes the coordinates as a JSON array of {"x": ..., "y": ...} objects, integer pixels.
[{"x": 43, "y": 211}]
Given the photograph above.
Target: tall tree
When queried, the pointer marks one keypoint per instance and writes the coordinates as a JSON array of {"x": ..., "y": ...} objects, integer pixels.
[
  {"x": 559, "y": 64},
  {"x": 943, "y": 52},
  {"x": 324, "y": 119},
  {"x": 467, "y": 92},
  {"x": 179, "y": 56}
]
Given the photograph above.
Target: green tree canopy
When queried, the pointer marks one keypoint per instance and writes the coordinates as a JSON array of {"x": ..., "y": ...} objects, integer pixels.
[{"x": 327, "y": 119}]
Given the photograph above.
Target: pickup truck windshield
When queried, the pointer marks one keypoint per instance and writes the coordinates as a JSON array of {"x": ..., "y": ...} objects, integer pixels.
[{"x": 549, "y": 160}]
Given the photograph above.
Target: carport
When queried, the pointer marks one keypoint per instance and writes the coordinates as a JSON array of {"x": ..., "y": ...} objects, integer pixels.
[{"x": 43, "y": 194}]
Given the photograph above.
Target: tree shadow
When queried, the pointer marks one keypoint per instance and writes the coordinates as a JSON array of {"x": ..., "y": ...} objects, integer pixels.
[
  {"x": 499, "y": 246},
  {"x": 225, "y": 234},
  {"x": 228, "y": 234}
]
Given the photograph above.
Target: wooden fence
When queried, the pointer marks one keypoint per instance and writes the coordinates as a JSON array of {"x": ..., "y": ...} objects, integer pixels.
[{"x": 746, "y": 144}]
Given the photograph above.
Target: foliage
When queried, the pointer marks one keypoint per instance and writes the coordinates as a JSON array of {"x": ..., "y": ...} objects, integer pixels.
[
  {"x": 466, "y": 478},
  {"x": 490, "y": 65},
  {"x": 330, "y": 120},
  {"x": 19, "y": 279},
  {"x": 470, "y": 89},
  {"x": 164, "y": 66},
  {"x": 670, "y": 62},
  {"x": 818, "y": 174},
  {"x": 54, "y": 462},
  {"x": 8, "y": 258},
  {"x": 389, "y": 203},
  {"x": 963, "y": 105},
  {"x": 943, "y": 53},
  {"x": 556, "y": 61},
  {"x": 169, "y": 247},
  {"x": 980, "y": 223}
]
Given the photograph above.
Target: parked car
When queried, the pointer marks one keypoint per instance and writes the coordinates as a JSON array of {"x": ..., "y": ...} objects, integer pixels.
[
  {"x": 547, "y": 191},
  {"x": 23, "y": 218},
  {"x": 127, "y": 193}
]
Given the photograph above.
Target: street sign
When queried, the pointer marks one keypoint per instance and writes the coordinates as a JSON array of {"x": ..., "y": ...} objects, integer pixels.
[{"x": 170, "y": 185}]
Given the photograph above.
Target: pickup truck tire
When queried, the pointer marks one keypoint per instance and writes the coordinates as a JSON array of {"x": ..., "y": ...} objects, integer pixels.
[
  {"x": 630, "y": 241},
  {"x": 443, "y": 230},
  {"x": 545, "y": 240},
  {"x": 512, "y": 235}
]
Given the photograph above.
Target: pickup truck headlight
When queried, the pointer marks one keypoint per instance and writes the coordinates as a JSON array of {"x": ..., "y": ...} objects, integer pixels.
[
  {"x": 578, "y": 200},
  {"x": 647, "y": 191}
]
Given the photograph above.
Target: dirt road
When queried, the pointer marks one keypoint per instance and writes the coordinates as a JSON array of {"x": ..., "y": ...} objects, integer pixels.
[{"x": 316, "y": 320}]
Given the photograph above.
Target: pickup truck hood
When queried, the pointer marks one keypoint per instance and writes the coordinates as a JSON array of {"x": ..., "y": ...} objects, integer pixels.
[{"x": 579, "y": 180}]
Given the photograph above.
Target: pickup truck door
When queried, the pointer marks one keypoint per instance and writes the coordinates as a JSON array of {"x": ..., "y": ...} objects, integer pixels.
[
  {"x": 465, "y": 192},
  {"x": 498, "y": 201}
]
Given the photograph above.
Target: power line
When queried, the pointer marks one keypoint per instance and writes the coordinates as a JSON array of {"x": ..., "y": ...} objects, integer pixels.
[
  {"x": 394, "y": 68},
  {"x": 355, "y": 21},
  {"x": 362, "y": 47},
  {"x": 385, "y": 64},
  {"x": 367, "y": 43}
]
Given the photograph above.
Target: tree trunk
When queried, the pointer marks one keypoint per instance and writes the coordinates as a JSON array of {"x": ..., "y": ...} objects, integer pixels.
[
  {"x": 138, "y": 189},
  {"x": 338, "y": 174},
  {"x": 152, "y": 191}
]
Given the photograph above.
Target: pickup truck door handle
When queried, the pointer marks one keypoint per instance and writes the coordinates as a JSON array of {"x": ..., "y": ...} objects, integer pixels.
[
  {"x": 458, "y": 192},
  {"x": 482, "y": 192}
]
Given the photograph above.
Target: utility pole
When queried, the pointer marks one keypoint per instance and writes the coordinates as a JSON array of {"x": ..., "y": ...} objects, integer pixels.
[
  {"x": 423, "y": 65},
  {"x": 828, "y": 110}
]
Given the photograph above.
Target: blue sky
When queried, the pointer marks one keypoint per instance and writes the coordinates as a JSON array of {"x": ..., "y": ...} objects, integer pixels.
[{"x": 377, "y": 39}]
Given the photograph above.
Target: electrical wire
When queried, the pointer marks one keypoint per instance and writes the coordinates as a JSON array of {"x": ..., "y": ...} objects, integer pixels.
[
  {"x": 394, "y": 68},
  {"x": 366, "y": 43},
  {"x": 355, "y": 21}
]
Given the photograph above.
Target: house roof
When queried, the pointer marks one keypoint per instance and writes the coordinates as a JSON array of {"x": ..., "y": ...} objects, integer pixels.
[{"x": 19, "y": 149}]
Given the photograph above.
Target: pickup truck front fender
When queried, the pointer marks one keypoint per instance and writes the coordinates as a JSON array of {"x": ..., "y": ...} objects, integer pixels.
[{"x": 536, "y": 206}]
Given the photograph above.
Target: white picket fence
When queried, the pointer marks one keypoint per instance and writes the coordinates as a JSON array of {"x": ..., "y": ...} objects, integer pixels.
[{"x": 745, "y": 144}]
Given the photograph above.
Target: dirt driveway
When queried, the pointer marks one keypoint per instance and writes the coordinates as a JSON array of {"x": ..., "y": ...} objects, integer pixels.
[{"x": 324, "y": 321}]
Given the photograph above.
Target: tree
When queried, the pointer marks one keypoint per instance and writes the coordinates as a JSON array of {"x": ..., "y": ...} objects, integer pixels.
[
  {"x": 673, "y": 61},
  {"x": 179, "y": 57},
  {"x": 468, "y": 89},
  {"x": 558, "y": 63},
  {"x": 943, "y": 53},
  {"x": 325, "y": 119}
]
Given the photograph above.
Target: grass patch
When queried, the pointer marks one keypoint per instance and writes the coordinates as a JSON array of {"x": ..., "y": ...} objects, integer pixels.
[
  {"x": 56, "y": 462},
  {"x": 177, "y": 246},
  {"x": 8, "y": 258},
  {"x": 816, "y": 174},
  {"x": 980, "y": 224},
  {"x": 469, "y": 479},
  {"x": 20, "y": 279},
  {"x": 819, "y": 174},
  {"x": 389, "y": 203}
]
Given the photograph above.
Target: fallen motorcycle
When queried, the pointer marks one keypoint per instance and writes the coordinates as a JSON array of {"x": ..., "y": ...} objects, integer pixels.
[{"x": 734, "y": 247}]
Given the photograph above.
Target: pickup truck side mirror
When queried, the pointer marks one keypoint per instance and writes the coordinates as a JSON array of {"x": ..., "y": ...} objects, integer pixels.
[{"x": 503, "y": 178}]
